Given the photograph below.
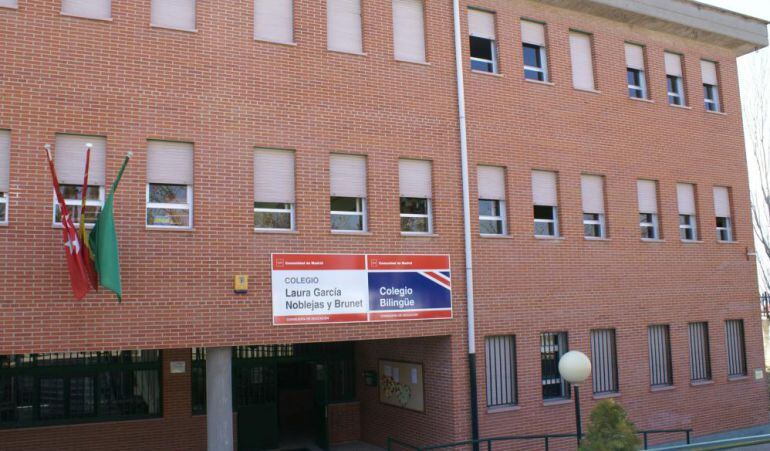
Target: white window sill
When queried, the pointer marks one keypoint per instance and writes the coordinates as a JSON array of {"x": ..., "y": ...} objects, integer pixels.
[
  {"x": 590, "y": 91},
  {"x": 9, "y": 7},
  {"x": 161, "y": 27},
  {"x": 594, "y": 238},
  {"x": 418, "y": 234},
  {"x": 737, "y": 378},
  {"x": 727, "y": 242},
  {"x": 267, "y": 41},
  {"x": 277, "y": 231},
  {"x": 548, "y": 238},
  {"x": 681, "y": 107},
  {"x": 538, "y": 82},
  {"x": 652, "y": 240},
  {"x": 419, "y": 63},
  {"x": 500, "y": 409},
  {"x": 691, "y": 241},
  {"x": 495, "y": 236},
  {"x": 701, "y": 383},
  {"x": 100, "y": 19},
  {"x": 556, "y": 402},
  {"x": 662, "y": 388},
  {"x": 169, "y": 228},
  {"x": 718, "y": 113},
  {"x": 491, "y": 74},
  {"x": 4, "y": 224},
  {"x": 343, "y": 52},
  {"x": 607, "y": 395},
  {"x": 351, "y": 232},
  {"x": 637, "y": 99}
]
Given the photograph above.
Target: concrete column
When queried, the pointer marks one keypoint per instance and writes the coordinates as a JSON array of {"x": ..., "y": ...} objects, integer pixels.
[{"x": 219, "y": 399}]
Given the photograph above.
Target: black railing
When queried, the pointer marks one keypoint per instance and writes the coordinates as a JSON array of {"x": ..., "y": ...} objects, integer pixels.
[
  {"x": 487, "y": 444},
  {"x": 764, "y": 302}
]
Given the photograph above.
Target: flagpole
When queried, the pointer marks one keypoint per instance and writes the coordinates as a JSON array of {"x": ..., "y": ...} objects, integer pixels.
[{"x": 83, "y": 194}]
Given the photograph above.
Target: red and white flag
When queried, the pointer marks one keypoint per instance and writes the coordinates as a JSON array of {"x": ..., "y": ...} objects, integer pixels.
[{"x": 72, "y": 246}]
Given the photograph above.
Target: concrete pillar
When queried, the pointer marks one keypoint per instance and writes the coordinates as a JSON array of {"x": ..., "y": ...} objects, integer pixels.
[{"x": 219, "y": 399}]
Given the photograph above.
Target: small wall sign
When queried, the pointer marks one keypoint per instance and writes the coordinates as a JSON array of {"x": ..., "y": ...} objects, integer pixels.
[
  {"x": 177, "y": 367},
  {"x": 759, "y": 373},
  {"x": 241, "y": 284}
]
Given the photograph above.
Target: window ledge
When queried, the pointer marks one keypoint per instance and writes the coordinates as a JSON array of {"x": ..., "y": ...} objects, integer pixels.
[
  {"x": 500, "y": 409},
  {"x": 161, "y": 27},
  {"x": 351, "y": 232},
  {"x": 98, "y": 19},
  {"x": 593, "y": 238},
  {"x": 662, "y": 388},
  {"x": 343, "y": 52},
  {"x": 681, "y": 107},
  {"x": 637, "y": 99},
  {"x": 691, "y": 241},
  {"x": 548, "y": 238},
  {"x": 701, "y": 383},
  {"x": 418, "y": 235},
  {"x": 607, "y": 395},
  {"x": 491, "y": 74},
  {"x": 590, "y": 91},
  {"x": 556, "y": 402},
  {"x": 718, "y": 113},
  {"x": 495, "y": 236},
  {"x": 538, "y": 82},
  {"x": 419, "y": 63},
  {"x": 277, "y": 231},
  {"x": 59, "y": 226},
  {"x": 652, "y": 240},
  {"x": 727, "y": 242},
  {"x": 9, "y": 8},
  {"x": 170, "y": 229},
  {"x": 267, "y": 41},
  {"x": 737, "y": 378},
  {"x": 4, "y": 224}
]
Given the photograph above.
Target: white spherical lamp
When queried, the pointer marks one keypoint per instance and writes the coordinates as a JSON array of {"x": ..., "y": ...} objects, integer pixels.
[{"x": 575, "y": 367}]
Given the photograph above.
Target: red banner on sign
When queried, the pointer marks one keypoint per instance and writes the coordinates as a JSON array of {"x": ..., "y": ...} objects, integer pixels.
[
  {"x": 314, "y": 262},
  {"x": 404, "y": 262}
]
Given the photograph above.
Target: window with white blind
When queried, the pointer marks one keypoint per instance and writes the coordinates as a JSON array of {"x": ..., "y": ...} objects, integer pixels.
[
  {"x": 169, "y": 185},
  {"x": 274, "y": 21},
  {"x": 647, "y": 197},
  {"x": 674, "y": 78},
  {"x": 173, "y": 14},
  {"x": 659, "y": 340},
  {"x": 594, "y": 225},
  {"x": 535, "y": 58},
  {"x": 415, "y": 184},
  {"x": 685, "y": 196},
  {"x": 90, "y": 9},
  {"x": 553, "y": 345},
  {"x": 545, "y": 204},
  {"x": 348, "y": 192},
  {"x": 637, "y": 82},
  {"x": 501, "y": 371},
  {"x": 5, "y": 174},
  {"x": 700, "y": 355},
  {"x": 274, "y": 190},
  {"x": 343, "y": 26},
  {"x": 409, "y": 30},
  {"x": 722, "y": 212},
  {"x": 70, "y": 162},
  {"x": 9, "y": 4},
  {"x": 483, "y": 45},
  {"x": 736, "y": 348},
  {"x": 710, "y": 85},
  {"x": 581, "y": 54},
  {"x": 604, "y": 361},
  {"x": 491, "y": 181}
]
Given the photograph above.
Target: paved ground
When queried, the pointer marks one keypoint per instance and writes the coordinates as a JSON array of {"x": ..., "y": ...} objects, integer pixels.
[{"x": 756, "y": 430}]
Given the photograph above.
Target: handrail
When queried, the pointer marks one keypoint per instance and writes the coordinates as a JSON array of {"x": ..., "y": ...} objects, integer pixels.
[{"x": 729, "y": 443}]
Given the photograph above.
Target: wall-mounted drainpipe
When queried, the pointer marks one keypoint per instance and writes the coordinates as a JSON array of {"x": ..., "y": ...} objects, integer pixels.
[{"x": 466, "y": 224}]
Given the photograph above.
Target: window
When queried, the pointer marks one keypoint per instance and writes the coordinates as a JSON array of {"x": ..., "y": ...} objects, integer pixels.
[
  {"x": 44, "y": 389},
  {"x": 169, "y": 184},
  {"x": 70, "y": 162},
  {"x": 481, "y": 25},
  {"x": 491, "y": 184},
  {"x": 343, "y": 26},
  {"x": 736, "y": 348},
  {"x": 604, "y": 361},
  {"x": 647, "y": 196},
  {"x": 415, "y": 186},
  {"x": 409, "y": 30},
  {"x": 533, "y": 42},
  {"x": 198, "y": 380},
  {"x": 501, "y": 371},
  {"x": 688, "y": 230},
  {"x": 274, "y": 190},
  {"x": 700, "y": 358},
  {"x": 593, "y": 206},
  {"x": 660, "y": 356},
  {"x": 674, "y": 76},
  {"x": 710, "y": 85},
  {"x": 274, "y": 20},
  {"x": 5, "y": 174},
  {"x": 723, "y": 215},
  {"x": 348, "y": 192},
  {"x": 173, "y": 14},
  {"x": 9, "y": 4},
  {"x": 544, "y": 203},
  {"x": 553, "y": 345},
  {"x": 581, "y": 53},
  {"x": 91, "y": 9},
  {"x": 637, "y": 84}
]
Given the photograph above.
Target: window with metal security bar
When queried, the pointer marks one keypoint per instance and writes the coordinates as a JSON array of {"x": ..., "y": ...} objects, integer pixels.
[
  {"x": 736, "y": 348},
  {"x": 661, "y": 373},
  {"x": 553, "y": 345},
  {"x": 700, "y": 356},
  {"x": 604, "y": 361},
  {"x": 501, "y": 371}
]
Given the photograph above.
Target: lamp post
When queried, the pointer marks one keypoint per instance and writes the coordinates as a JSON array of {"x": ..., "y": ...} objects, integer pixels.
[{"x": 575, "y": 367}]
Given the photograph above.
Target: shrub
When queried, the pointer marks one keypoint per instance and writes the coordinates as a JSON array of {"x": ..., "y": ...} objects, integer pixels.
[{"x": 610, "y": 429}]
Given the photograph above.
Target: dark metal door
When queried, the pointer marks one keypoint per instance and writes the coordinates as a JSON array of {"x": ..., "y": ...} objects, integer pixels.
[
  {"x": 256, "y": 392},
  {"x": 321, "y": 403}
]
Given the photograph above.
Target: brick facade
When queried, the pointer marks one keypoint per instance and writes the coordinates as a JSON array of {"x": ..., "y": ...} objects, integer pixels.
[{"x": 227, "y": 93}]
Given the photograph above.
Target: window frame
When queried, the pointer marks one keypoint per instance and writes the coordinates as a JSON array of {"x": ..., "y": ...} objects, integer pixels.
[
  {"x": 700, "y": 346},
  {"x": 541, "y": 58},
  {"x": 503, "y": 389},
  {"x": 188, "y": 206},
  {"x": 733, "y": 344},
  {"x": 562, "y": 347},
  {"x": 501, "y": 217},
  {"x": 711, "y": 99},
  {"x": 668, "y": 362},
  {"x": 727, "y": 229},
  {"x": 493, "y": 51},
  {"x": 554, "y": 221},
  {"x": 608, "y": 345},
  {"x": 70, "y": 203},
  {"x": 691, "y": 225},
  {"x": 290, "y": 210},
  {"x": 428, "y": 216},
  {"x": 641, "y": 87},
  {"x": 361, "y": 210},
  {"x": 599, "y": 221},
  {"x": 652, "y": 225},
  {"x": 678, "y": 83},
  {"x": 4, "y": 205}
]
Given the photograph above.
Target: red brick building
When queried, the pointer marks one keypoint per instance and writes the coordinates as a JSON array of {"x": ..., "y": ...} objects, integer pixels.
[{"x": 609, "y": 212}]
